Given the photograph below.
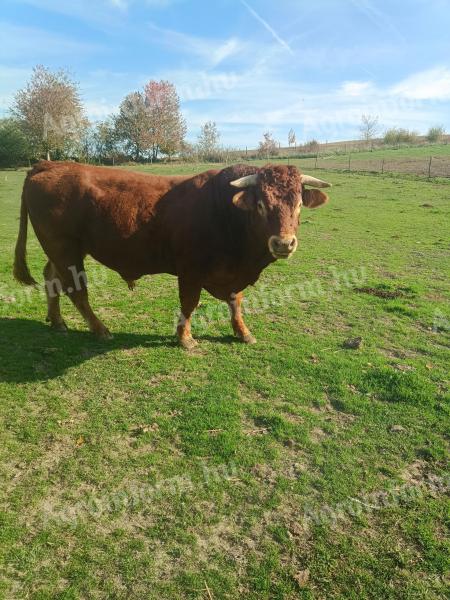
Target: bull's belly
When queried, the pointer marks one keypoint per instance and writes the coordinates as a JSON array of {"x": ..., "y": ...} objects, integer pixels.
[{"x": 131, "y": 265}]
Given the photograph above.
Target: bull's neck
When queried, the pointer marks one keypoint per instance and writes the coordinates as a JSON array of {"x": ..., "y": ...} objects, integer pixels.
[{"x": 252, "y": 249}]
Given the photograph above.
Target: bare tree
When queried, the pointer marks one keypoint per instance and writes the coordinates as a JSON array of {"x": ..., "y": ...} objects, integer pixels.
[
  {"x": 50, "y": 111},
  {"x": 133, "y": 125},
  {"x": 369, "y": 127},
  {"x": 168, "y": 127},
  {"x": 208, "y": 141},
  {"x": 268, "y": 146},
  {"x": 291, "y": 138}
]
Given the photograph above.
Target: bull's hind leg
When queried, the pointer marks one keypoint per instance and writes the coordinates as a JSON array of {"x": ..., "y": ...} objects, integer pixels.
[
  {"x": 53, "y": 288},
  {"x": 74, "y": 284},
  {"x": 79, "y": 297},
  {"x": 237, "y": 322},
  {"x": 81, "y": 301}
]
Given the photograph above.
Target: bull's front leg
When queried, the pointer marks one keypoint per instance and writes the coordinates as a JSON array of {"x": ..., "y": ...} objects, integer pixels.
[
  {"x": 189, "y": 298},
  {"x": 237, "y": 322}
]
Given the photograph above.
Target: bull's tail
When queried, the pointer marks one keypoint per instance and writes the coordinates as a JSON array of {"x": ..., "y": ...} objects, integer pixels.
[{"x": 21, "y": 271}]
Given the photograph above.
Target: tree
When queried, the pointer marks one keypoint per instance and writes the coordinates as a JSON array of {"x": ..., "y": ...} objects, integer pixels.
[
  {"x": 208, "y": 141},
  {"x": 291, "y": 138},
  {"x": 50, "y": 111},
  {"x": 133, "y": 125},
  {"x": 86, "y": 147},
  {"x": 369, "y": 127},
  {"x": 436, "y": 134},
  {"x": 188, "y": 152},
  {"x": 168, "y": 127},
  {"x": 268, "y": 146},
  {"x": 14, "y": 148},
  {"x": 105, "y": 141}
]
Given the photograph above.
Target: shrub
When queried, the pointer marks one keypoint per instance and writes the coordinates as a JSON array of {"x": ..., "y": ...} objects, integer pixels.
[
  {"x": 398, "y": 135},
  {"x": 436, "y": 134},
  {"x": 311, "y": 146}
]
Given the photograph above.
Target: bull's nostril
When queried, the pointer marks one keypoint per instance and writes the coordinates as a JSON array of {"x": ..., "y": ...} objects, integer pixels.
[{"x": 282, "y": 246}]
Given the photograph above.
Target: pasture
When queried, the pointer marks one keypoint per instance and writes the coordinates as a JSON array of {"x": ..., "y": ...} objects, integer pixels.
[
  {"x": 414, "y": 160},
  {"x": 295, "y": 468}
]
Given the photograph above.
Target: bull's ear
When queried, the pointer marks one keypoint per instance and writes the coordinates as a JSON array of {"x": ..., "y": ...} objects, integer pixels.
[
  {"x": 313, "y": 198},
  {"x": 244, "y": 200}
]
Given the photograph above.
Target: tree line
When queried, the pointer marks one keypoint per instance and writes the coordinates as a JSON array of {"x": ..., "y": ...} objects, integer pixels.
[{"x": 47, "y": 119}]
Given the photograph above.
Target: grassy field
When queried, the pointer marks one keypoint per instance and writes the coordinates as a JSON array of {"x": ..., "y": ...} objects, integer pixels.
[
  {"x": 405, "y": 159},
  {"x": 296, "y": 468},
  {"x": 404, "y": 152}
]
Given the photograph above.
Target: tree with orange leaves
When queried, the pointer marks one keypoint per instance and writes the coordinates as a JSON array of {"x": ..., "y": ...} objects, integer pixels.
[{"x": 167, "y": 125}]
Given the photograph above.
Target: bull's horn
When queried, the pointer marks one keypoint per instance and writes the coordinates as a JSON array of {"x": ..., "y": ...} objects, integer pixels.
[
  {"x": 244, "y": 182},
  {"x": 313, "y": 182}
]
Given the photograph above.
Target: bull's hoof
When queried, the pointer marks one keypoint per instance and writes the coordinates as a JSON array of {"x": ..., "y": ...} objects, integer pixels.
[
  {"x": 58, "y": 326},
  {"x": 188, "y": 343},
  {"x": 103, "y": 334},
  {"x": 248, "y": 339}
]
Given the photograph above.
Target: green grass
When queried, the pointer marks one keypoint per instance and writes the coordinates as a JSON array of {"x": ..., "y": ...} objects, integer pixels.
[
  {"x": 404, "y": 159},
  {"x": 403, "y": 152},
  {"x": 269, "y": 440}
]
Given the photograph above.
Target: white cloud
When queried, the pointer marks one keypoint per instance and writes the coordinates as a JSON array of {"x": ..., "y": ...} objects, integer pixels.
[
  {"x": 356, "y": 88},
  {"x": 99, "y": 110},
  {"x": 266, "y": 102},
  {"x": 212, "y": 51},
  {"x": 433, "y": 84}
]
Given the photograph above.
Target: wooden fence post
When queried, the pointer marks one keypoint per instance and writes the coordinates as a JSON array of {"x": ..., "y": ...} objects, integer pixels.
[
  {"x": 315, "y": 163},
  {"x": 429, "y": 168},
  {"x": 382, "y": 166},
  {"x": 349, "y": 162}
]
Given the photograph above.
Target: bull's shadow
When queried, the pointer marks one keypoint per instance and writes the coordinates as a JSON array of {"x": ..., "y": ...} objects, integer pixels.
[{"x": 32, "y": 351}]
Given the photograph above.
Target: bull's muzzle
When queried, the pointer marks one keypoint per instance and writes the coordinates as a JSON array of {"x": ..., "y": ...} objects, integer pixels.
[{"x": 282, "y": 246}]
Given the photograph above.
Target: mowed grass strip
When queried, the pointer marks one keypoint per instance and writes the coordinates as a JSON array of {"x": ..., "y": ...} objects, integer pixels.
[{"x": 296, "y": 468}]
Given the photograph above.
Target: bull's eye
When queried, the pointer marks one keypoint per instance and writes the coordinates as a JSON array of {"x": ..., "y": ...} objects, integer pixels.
[{"x": 261, "y": 208}]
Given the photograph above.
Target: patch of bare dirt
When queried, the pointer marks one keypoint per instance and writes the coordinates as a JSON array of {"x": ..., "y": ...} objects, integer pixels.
[
  {"x": 380, "y": 293},
  {"x": 317, "y": 434},
  {"x": 330, "y": 411},
  {"x": 415, "y": 473}
]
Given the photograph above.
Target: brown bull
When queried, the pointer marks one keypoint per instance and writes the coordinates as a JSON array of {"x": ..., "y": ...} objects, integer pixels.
[{"x": 216, "y": 231}]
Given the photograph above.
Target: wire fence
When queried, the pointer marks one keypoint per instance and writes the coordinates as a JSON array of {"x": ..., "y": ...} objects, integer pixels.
[
  {"x": 430, "y": 166},
  {"x": 425, "y": 166}
]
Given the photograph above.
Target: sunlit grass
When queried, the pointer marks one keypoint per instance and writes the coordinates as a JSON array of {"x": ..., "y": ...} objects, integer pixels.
[{"x": 262, "y": 436}]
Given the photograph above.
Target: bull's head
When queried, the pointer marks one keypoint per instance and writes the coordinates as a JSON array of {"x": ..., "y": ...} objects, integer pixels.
[{"x": 275, "y": 194}]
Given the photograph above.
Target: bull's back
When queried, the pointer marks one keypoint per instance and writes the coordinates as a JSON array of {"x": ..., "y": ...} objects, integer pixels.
[{"x": 111, "y": 213}]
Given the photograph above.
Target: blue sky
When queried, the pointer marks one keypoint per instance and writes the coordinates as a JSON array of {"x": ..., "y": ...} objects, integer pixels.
[{"x": 251, "y": 66}]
